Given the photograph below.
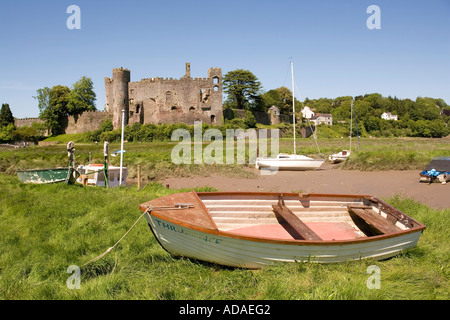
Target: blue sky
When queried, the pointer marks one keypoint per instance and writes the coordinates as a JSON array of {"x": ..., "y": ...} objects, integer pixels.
[{"x": 333, "y": 51}]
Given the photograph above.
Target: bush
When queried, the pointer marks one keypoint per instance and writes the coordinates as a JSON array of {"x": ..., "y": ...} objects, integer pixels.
[
  {"x": 249, "y": 119},
  {"x": 110, "y": 136}
]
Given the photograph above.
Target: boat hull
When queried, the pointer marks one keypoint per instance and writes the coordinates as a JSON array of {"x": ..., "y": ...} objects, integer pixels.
[
  {"x": 247, "y": 253},
  {"x": 47, "y": 176},
  {"x": 289, "y": 164},
  {"x": 339, "y": 157},
  {"x": 239, "y": 229}
]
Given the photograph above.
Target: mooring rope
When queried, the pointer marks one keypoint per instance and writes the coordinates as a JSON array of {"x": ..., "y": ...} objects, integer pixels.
[
  {"x": 177, "y": 206},
  {"x": 114, "y": 246}
]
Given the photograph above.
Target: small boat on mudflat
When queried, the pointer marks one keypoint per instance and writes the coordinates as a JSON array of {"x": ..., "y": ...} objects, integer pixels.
[
  {"x": 46, "y": 176},
  {"x": 291, "y": 162},
  {"x": 339, "y": 157},
  {"x": 52, "y": 175},
  {"x": 252, "y": 230},
  {"x": 438, "y": 170},
  {"x": 287, "y": 161}
]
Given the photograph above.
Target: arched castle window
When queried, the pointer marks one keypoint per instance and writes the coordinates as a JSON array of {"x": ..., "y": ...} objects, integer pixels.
[
  {"x": 191, "y": 109},
  {"x": 213, "y": 119},
  {"x": 216, "y": 80},
  {"x": 174, "y": 108},
  {"x": 169, "y": 98},
  {"x": 216, "y": 88}
]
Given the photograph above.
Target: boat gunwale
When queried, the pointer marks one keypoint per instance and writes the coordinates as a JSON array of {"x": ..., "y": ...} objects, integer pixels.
[
  {"x": 419, "y": 228},
  {"x": 47, "y": 169}
]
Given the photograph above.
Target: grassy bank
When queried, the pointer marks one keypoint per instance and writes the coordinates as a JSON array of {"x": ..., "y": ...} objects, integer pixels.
[
  {"x": 156, "y": 163},
  {"x": 46, "y": 229}
]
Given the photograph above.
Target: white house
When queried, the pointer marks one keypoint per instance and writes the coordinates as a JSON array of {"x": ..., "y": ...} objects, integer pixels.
[
  {"x": 307, "y": 113},
  {"x": 389, "y": 116},
  {"x": 320, "y": 118}
]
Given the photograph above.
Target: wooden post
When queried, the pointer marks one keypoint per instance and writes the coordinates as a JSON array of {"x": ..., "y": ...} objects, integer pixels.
[{"x": 139, "y": 176}]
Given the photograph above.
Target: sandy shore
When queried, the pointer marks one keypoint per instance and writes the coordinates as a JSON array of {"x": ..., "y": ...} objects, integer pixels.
[{"x": 384, "y": 184}]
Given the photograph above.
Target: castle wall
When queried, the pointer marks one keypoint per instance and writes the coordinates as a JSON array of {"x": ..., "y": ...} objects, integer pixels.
[
  {"x": 176, "y": 100},
  {"x": 87, "y": 121},
  {"x": 26, "y": 122},
  {"x": 152, "y": 100},
  {"x": 266, "y": 118}
]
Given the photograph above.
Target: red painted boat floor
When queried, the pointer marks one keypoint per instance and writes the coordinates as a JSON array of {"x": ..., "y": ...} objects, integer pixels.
[{"x": 325, "y": 230}]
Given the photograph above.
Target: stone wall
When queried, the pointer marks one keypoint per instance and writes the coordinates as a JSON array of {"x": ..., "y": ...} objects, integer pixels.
[
  {"x": 88, "y": 121},
  {"x": 26, "y": 122},
  {"x": 266, "y": 118},
  {"x": 165, "y": 100},
  {"x": 158, "y": 100}
]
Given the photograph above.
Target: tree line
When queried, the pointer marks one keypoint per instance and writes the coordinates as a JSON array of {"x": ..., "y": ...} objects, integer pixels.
[
  {"x": 54, "y": 104},
  {"x": 423, "y": 117}
]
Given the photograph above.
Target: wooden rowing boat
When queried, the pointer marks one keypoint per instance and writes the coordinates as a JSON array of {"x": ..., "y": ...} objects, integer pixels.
[
  {"x": 47, "y": 176},
  {"x": 67, "y": 175},
  {"x": 252, "y": 230}
]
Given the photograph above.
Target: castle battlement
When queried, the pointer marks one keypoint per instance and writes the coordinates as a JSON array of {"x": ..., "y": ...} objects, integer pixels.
[
  {"x": 27, "y": 118},
  {"x": 158, "y": 79},
  {"x": 121, "y": 69},
  {"x": 153, "y": 100},
  {"x": 94, "y": 112}
]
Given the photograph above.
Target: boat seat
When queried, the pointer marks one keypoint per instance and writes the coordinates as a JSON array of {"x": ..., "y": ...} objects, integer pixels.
[
  {"x": 298, "y": 229},
  {"x": 375, "y": 220}
]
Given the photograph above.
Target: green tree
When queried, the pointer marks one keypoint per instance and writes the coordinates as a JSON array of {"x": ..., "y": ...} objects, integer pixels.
[
  {"x": 54, "y": 107},
  {"x": 7, "y": 133},
  {"x": 43, "y": 98},
  {"x": 59, "y": 101},
  {"x": 82, "y": 97},
  {"x": 425, "y": 109},
  {"x": 6, "y": 116},
  {"x": 242, "y": 88}
]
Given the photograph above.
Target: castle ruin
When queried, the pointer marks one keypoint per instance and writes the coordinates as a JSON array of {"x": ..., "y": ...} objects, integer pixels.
[{"x": 158, "y": 100}]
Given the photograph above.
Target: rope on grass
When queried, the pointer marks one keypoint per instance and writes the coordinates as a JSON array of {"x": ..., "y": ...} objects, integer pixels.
[
  {"x": 114, "y": 246},
  {"x": 177, "y": 206}
]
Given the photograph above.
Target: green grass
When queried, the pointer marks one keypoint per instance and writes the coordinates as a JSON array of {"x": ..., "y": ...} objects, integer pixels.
[
  {"x": 64, "y": 138},
  {"x": 377, "y": 154},
  {"x": 155, "y": 157},
  {"x": 47, "y": 228}
]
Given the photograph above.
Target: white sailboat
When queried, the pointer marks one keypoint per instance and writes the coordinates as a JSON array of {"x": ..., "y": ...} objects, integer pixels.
[
  {"x": 339, "y": 157},
  {"x": 344, "y": 154},
  {"x": 286, "y": 161}
]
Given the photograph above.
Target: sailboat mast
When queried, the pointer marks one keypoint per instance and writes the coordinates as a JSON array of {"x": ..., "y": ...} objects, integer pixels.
[
  {"x": 293, "y": 103},
  {"x": 351, "y": 124}
]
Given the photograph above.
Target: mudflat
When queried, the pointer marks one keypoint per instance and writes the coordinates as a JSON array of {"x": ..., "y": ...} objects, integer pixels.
[{"x": 382, "y": 184}]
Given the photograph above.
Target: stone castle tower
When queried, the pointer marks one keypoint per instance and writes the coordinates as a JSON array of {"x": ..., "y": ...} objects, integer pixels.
[
  {"x": 119, "y": 95},
  {"x": 158, "y": 100}
]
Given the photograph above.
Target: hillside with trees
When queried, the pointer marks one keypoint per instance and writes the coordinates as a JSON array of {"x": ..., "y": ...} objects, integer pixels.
[{"x": 424, "y": 117}]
